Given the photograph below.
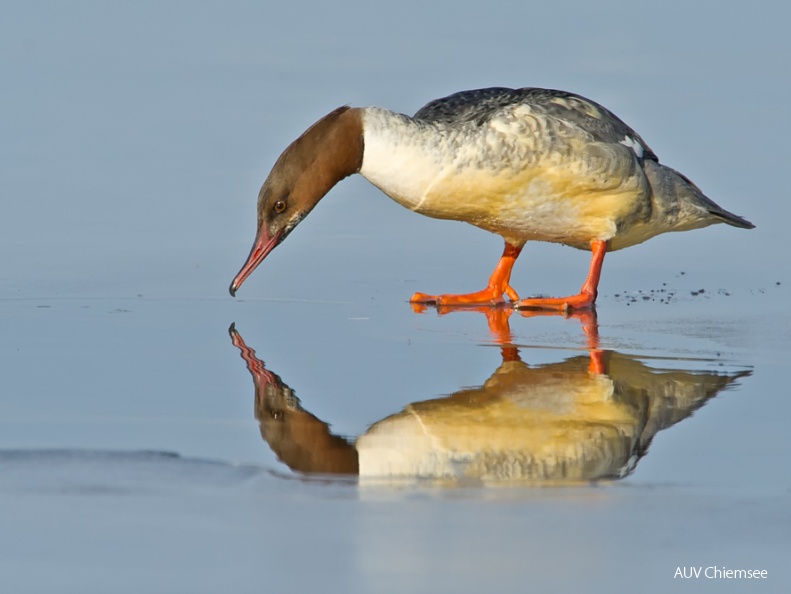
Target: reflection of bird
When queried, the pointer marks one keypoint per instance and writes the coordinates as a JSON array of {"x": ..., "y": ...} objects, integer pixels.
[
  {"x": 561, "y": 422},
  {"x": 555, "y": 422},
  {"x": 527, "y": 164}
]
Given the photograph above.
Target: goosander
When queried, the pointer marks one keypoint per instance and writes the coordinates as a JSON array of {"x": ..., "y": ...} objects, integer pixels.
[{"x": 527, "y": 164}]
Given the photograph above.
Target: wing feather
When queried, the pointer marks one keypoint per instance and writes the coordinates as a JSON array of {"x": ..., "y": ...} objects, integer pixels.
[{"x": 481, "y": 105}]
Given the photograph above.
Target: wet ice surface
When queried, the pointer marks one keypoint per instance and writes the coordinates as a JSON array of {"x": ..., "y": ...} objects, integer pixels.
[{"x": 131, "y": 456}]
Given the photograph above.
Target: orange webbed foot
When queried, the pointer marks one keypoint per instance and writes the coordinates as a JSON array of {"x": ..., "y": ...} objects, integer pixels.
[
  {"x": 488, "y": 296},
  {"x": 564, "y": 304},
  {"x": 497, "y": 286},
  {"x": 585, "y": 299}
]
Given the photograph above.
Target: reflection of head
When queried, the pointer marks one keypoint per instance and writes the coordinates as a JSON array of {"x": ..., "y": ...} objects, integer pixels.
[{"x": 300, "y": 440}]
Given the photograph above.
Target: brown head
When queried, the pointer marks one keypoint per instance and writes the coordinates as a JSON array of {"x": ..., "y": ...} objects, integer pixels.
[{"x": 330, "y": 150}]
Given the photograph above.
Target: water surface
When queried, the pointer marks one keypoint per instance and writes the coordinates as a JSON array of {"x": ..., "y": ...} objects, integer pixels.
[{"x": 139, "y": 454}]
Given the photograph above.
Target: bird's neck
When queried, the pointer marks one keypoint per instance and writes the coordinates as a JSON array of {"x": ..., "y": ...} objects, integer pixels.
[{"x": 328, "y": 151}]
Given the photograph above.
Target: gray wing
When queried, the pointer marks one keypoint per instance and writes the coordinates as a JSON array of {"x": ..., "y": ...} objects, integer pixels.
[
  {"x": 466, "y": 106},
  {"x": 480, "y": 105}
]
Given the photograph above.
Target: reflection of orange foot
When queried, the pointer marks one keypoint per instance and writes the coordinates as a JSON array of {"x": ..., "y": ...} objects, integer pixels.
[
  {"x": 587, "y": 317},
  {"x": 590, "y": 325},
  {"x": 497, "y": 318},
  {"x": 419, "y": 307}
]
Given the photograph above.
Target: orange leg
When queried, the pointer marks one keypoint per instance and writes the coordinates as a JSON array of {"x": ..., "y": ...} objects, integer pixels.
[
  {"x": 587, "y": 295},
  {"x": 492, "y": 294}
]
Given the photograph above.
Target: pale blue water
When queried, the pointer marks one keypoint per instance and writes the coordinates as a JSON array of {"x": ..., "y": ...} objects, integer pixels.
[{"x": 133, "y": 140}]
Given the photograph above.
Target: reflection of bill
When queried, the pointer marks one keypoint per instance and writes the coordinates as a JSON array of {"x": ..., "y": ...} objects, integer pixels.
[{"x": 585, "y": 418}]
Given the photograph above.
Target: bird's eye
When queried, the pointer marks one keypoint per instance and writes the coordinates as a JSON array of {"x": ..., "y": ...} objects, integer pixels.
[{"x": 280, "y": 206}]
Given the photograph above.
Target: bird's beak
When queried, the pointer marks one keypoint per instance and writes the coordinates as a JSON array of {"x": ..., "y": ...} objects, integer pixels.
[{"x": 264, "y": 243}]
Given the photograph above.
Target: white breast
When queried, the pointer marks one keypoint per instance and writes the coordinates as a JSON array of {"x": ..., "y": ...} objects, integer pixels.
[{"x": 401, "y": 157}]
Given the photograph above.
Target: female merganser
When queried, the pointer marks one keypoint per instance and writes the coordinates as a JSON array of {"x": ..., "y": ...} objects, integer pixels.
[{"x": 527, "y": 164}]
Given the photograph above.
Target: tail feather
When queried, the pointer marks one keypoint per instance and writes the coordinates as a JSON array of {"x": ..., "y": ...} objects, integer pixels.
[
  {"x": 732, "y": 219},
  {"x": 712, "y": 207},
  {"x": 682, "y": 203}
]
